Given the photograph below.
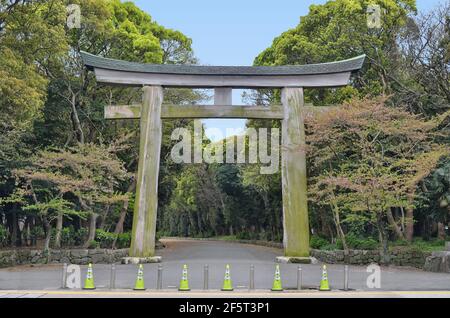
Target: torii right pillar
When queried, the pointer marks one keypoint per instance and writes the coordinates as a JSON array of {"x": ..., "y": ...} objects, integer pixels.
[{"x": 293, "y": 174}]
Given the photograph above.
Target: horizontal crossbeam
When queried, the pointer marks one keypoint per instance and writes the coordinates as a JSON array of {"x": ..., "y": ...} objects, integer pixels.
[
  {"x": 116, "y": 72},
  {"x": 206, "y": 111}
]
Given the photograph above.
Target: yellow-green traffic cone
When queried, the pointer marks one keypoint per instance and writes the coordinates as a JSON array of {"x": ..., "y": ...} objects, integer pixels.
[
  {"x": 227, "y": 284},
  {"x": 276, "y": 286},
  {"x": 89, "y": 282},
  {"x": 139, "y": 285},
  {"x": 184, "y": 283},
  {"x": 324, "y": 286}
]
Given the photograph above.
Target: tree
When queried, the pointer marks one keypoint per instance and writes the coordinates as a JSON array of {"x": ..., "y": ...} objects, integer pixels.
[
  {"x": 66, "y": 183},
  {"x": 425, "y": 48},
  {"x": 31, "y": 35},
  {"x": 338, "y": 30},
  {"x": 367, "y": 159}
]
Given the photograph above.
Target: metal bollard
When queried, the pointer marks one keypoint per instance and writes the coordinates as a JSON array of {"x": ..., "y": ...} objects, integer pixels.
[
  {"x": 299, "y": 278},
  {"x": 252, "y": 277},
  {"x": 346, "y": 277},
  {"x": 206, "y": 277},
  {"x": 112, "y": 277},
  {"x": 64, "y": 276},
  {"x": 159, "y": 280}
]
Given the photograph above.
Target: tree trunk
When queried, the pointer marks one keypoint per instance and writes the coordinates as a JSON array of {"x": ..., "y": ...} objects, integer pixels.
[
  {"x": 394, "y": 225},
  {"x": 339, "y": 231},
  {"x": 27, "y": 229},
  {"x": 441, "y": 231},
  {"x": 409, "y": 229},
  {"x": 15, "y": 234},
  {"x": 59, "y": 226},
  {"x": 123, "y": 212},
  {"x": 92, "y": 228},
  {"x": 76, "y": 121},
  {"x": 48, "y": 234},
  {"x": 337, "y": 220},
  {"x": 103, "y": 217}
]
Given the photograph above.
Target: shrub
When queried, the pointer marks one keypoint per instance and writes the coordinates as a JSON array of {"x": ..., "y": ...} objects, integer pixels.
[
  {"x": 123, "y": 240},
  {"x": 360, "y": 243},
  {"x": 37, "y": 232},
  {"x": 400, "y": 243},
  {"x": 93, "y": 244},
  {"x": 317, "y": 242},
  {"x": 419, "y": 244},
  {"x": 243, "y": 235},
  {"x": 330, "y": 247},
  {"x": 105, "y": 239},
  {"x": 68, "y": 236},
  {"x": 80, "y": 236}
]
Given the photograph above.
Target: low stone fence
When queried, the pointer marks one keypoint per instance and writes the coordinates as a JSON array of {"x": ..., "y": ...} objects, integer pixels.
[
  {"x": 438, "y": 262},
  {"x": 71, "y": 256},
  {"x": 400, "y": 257}
]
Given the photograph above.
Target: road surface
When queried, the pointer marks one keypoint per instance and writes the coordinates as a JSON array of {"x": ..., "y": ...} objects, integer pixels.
[{"x": 44, "y": 280}]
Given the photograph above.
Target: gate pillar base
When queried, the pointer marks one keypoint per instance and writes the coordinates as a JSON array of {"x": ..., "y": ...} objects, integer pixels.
[
  {"x": 295, "y": 260},
  {"x": 141, "y": 260}
]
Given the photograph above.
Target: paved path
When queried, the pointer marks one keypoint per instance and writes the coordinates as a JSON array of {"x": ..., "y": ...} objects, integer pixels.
[{"x": 45, "y": 279}]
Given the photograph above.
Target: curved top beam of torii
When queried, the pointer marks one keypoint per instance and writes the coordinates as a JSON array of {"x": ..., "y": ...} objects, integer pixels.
[{"x": 117, "y": 72}]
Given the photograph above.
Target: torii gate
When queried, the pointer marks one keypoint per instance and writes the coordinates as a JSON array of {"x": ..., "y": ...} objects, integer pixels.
[{"x": 153, "y": 77}]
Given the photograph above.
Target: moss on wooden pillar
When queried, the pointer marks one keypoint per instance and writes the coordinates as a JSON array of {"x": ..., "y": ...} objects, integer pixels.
[
  {"x": 146, "y": 202},
  {"x": 294, "y": 186}
]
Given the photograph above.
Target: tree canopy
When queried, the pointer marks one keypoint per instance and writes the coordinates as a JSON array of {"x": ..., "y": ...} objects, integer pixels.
[{"x": 378, "y": 163}]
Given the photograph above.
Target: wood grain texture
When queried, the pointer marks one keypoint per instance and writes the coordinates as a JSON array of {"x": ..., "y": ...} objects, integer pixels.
[
  {"x": 198, "y": 111},
  {"x": 209, "y": 111},
  {"x": 223, "y": 96},
  {"x": 146, "y": 202},
  {"x": 293, "y": 174},
  {"x": 115, "y": 77}
]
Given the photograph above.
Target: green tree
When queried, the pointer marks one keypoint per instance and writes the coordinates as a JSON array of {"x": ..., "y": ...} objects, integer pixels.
[
  {"x": 368, "y": 159},
  {"x": 74, "y": 182}
]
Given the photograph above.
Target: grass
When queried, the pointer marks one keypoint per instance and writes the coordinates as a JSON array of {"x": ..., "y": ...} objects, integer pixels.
[
  {"x": 225, "y": 238},
  {"x": 420, "y": 244}
]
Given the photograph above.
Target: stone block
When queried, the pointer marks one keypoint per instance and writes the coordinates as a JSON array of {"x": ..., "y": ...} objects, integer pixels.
[
  {"x": 141, "y": 260},
  {"x": 79, "y": 253}
]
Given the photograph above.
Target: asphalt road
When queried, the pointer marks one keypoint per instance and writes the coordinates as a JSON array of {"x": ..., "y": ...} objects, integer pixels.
[{"x": 196, "y": 254}]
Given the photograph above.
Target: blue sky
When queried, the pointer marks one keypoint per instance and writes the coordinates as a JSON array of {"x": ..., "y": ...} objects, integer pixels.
[{"x": 233, "y": 32}]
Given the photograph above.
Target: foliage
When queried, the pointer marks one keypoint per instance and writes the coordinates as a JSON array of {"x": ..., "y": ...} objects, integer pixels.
[
  {"x": 93, "y": 244},
  {"x": 419, "y": 244},
  {"x": 369, "y": 158},
  {"x": 359, "y": 243},
  {"x": 123, "y": 240},
  {"x": 105, "y": 239},
  {"x": 317, "y": 242},
  {"x": 4, "y": 235},
  {"x": 376, "y": 170}
]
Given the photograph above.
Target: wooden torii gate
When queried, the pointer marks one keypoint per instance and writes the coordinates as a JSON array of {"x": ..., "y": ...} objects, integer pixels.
[{"x": 152, "y": 77}]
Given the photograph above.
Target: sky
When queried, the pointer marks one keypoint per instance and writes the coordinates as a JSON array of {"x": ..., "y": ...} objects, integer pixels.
[{"x": 233, "y": 32}]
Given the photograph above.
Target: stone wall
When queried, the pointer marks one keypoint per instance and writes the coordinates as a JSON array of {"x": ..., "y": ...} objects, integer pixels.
[
  {"x": 438, "y": 262},
  {"x": 70, "y": 256},
  {"x": 400, "y": 257}
]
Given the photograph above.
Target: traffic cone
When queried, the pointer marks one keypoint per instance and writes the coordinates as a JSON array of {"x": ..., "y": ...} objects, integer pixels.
[
  {"x": 184, "y": 283},
  {"x": 227, "y": 284},
  {"x": 139, "y": 285},
  {"x": 324, "y": 286},
  {"x": 89, "y": 282},
  {"x": 276, "y": 286}
]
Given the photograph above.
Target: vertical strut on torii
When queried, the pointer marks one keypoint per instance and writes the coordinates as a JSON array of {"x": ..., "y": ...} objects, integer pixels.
[{"x": 153, "y": 77}]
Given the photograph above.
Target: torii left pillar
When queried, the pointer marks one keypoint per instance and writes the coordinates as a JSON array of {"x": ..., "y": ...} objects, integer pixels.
[{"x": 146, "y": 201}]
